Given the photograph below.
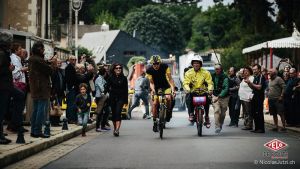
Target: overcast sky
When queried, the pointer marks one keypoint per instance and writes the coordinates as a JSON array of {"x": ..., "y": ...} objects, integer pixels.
[{"x": 207, "y": 3}]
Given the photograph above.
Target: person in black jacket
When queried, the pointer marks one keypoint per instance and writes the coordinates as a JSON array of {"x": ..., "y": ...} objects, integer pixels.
[
  {"x": 6, "y": 79},
  {"x": 58, "y": 89},
  {"x": 70, "y": 77},
  {"x": 117, "y": 86}
]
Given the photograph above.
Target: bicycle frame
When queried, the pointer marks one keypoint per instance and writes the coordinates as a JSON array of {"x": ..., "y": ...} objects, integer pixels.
[
  {"x": 161, "y": 111},
  {"x": 199, "y": 102}
]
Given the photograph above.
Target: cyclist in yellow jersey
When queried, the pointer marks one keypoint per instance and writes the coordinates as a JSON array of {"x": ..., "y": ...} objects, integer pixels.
[
  {"x": 159, "y": 75},
  {"x": 197, "y": 78}
]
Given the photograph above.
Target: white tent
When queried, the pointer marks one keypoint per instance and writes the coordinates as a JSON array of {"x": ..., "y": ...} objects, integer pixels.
[
  {"x": 292, "y": 42},
  {"x": 289, "y": 42}
]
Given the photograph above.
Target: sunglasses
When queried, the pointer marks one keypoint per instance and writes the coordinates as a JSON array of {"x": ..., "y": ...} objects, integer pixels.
[{"x": 118, "y": 67}]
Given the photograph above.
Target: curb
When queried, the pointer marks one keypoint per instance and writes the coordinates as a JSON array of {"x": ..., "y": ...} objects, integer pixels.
[
  {"x": 287, "y": 128},
  {"x": 40, "y": 145}
]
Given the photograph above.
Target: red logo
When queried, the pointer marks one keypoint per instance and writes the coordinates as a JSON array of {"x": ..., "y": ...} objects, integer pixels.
[{"x": 275, "y": 145}]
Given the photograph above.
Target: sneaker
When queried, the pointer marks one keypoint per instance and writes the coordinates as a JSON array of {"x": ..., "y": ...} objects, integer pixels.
[
  {"x": 144, "y": 116},
  {"x": 98, "y": 130},
  {"x": 155, "y": 129},
  {"x": 218, "y": 130},
  {"x": 105, "y": 128},
  {"x": 116, "y": 133}
]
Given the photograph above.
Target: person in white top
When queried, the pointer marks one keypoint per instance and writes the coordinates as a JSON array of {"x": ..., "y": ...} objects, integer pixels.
[
  {"x": 246, "y": 94},
  {"x": 18, "y": 93},
  {"x": 16, "y": 60}
]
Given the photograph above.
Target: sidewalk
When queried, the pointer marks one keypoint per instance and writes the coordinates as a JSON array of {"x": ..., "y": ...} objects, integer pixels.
[
  {"x": 269, "y": 121},
  {"x": 14, "y": 152}
]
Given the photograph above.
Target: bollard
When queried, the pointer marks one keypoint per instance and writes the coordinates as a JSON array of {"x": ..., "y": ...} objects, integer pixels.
[
  {"x": 20, "y": 138},
  {"x": 47, "y": 128},
  {"x": 65, "y": 124}
]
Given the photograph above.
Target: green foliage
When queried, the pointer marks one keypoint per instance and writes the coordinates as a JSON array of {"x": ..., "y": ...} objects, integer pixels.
[
  {"x": 156, "y": 27},
  {"x": 82, "y": 50},
  {"x": 118, "y": 8},
  {"x": 288, "y": 13},
  {"x": 107, "y": 17},
  {"x": 221, "y": 24},
  {"x": 136, "y": 59},
  {"x": 185, "y": 15}
]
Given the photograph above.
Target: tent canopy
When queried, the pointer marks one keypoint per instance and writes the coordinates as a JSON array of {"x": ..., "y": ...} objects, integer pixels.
[{"x": 289, "y": 42}]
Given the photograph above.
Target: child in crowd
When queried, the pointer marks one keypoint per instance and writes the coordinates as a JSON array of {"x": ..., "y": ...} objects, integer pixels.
[{"x": 83, "y": 103}]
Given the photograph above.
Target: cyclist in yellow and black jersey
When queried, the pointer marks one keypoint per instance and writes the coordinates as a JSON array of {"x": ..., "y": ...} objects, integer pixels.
[
  {"x": 159, "y": 75},
  {"x": 197, "y": 78}
]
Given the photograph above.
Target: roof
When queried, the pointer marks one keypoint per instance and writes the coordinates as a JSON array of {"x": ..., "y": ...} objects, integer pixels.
[
  {"x": 288, "y": 42},
  {"x": 98, "y": 42}
]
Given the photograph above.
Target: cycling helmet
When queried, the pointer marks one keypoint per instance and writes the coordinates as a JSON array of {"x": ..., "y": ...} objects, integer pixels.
[
  {"x": 197, "y": 57},
  {"x": 155, "y": 59}
]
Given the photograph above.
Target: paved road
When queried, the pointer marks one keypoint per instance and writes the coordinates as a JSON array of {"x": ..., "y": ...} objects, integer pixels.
[{"x": 139, "y": 147}]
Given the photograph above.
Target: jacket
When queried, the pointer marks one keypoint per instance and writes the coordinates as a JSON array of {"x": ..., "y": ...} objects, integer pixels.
[
  {"x": 39, "y": 77},
  {"x": 194, "y": 80},
  {"x": 6, "y": 80},
  {"x": 221, "y": 86}
]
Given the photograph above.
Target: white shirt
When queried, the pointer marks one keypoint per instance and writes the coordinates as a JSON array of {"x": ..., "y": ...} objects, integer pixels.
[
  {"x": 18, "y": 75},
  {"x": 245, "y": 92}
]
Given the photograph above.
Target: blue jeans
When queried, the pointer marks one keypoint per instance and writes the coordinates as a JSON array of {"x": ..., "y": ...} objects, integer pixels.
[
  {"x": 83, "y": 118},
  {"x": 136, "y": 102},
  {"x": 39, "y": 115},
  {"x": 71, "y": 107}
]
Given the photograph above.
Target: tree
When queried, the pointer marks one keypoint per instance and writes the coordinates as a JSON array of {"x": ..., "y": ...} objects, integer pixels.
[
  {"x": 185, "y": 15},
  {"x": 288, "y": 13},
  {"x": 82, "y": 50},
  {"x": 107, "y": 17},
  {"x": 136, "y": 59},
  {"x": 220, "y": 22},
  {"x": 156, "y": 27}
]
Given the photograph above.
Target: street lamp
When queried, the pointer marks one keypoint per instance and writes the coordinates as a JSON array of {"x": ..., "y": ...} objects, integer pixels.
[
  {"x": 207, "y": 34},
  {"x": 76, "y": 6}
]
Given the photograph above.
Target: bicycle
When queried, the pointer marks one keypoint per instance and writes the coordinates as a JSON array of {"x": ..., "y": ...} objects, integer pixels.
[
  {"x": 162, "y": 111},
  {"x": 199, "y": 102}
]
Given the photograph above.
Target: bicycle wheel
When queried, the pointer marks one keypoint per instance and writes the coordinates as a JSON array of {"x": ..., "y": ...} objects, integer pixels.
[
  {"x": 162, "y": 112},
  {"x": 199, "y": 123}
]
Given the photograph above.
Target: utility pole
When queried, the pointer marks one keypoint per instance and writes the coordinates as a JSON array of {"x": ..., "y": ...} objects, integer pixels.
[{"x": 70, "y": 31}]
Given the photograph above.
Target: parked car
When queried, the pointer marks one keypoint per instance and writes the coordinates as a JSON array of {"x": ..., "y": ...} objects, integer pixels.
[{"x": 180, "y": 94}]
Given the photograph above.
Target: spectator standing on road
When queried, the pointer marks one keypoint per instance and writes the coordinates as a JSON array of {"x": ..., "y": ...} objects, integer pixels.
[
  {"x": 83, "y": 102},
  {"x": 18, "y": 102},
  {"x": 58, "y": 89},
  {"x": 70, "y": 77},
  {"x": 234, "y": 85},
  {"x": 141, "y": 91},
  {"x": 257, "y": 103},
  {"x": 118, "y": 94},
  {"x": 6, "y": 85},
  {"x": 101, "y": 98},
  {"x": 220, "y": 96},
  {"x": 39, "y": 77},
  {"x": 289, "y": 99},
  {"x": 275, "y": 94},
  {"x": 246, "y": 95}
]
